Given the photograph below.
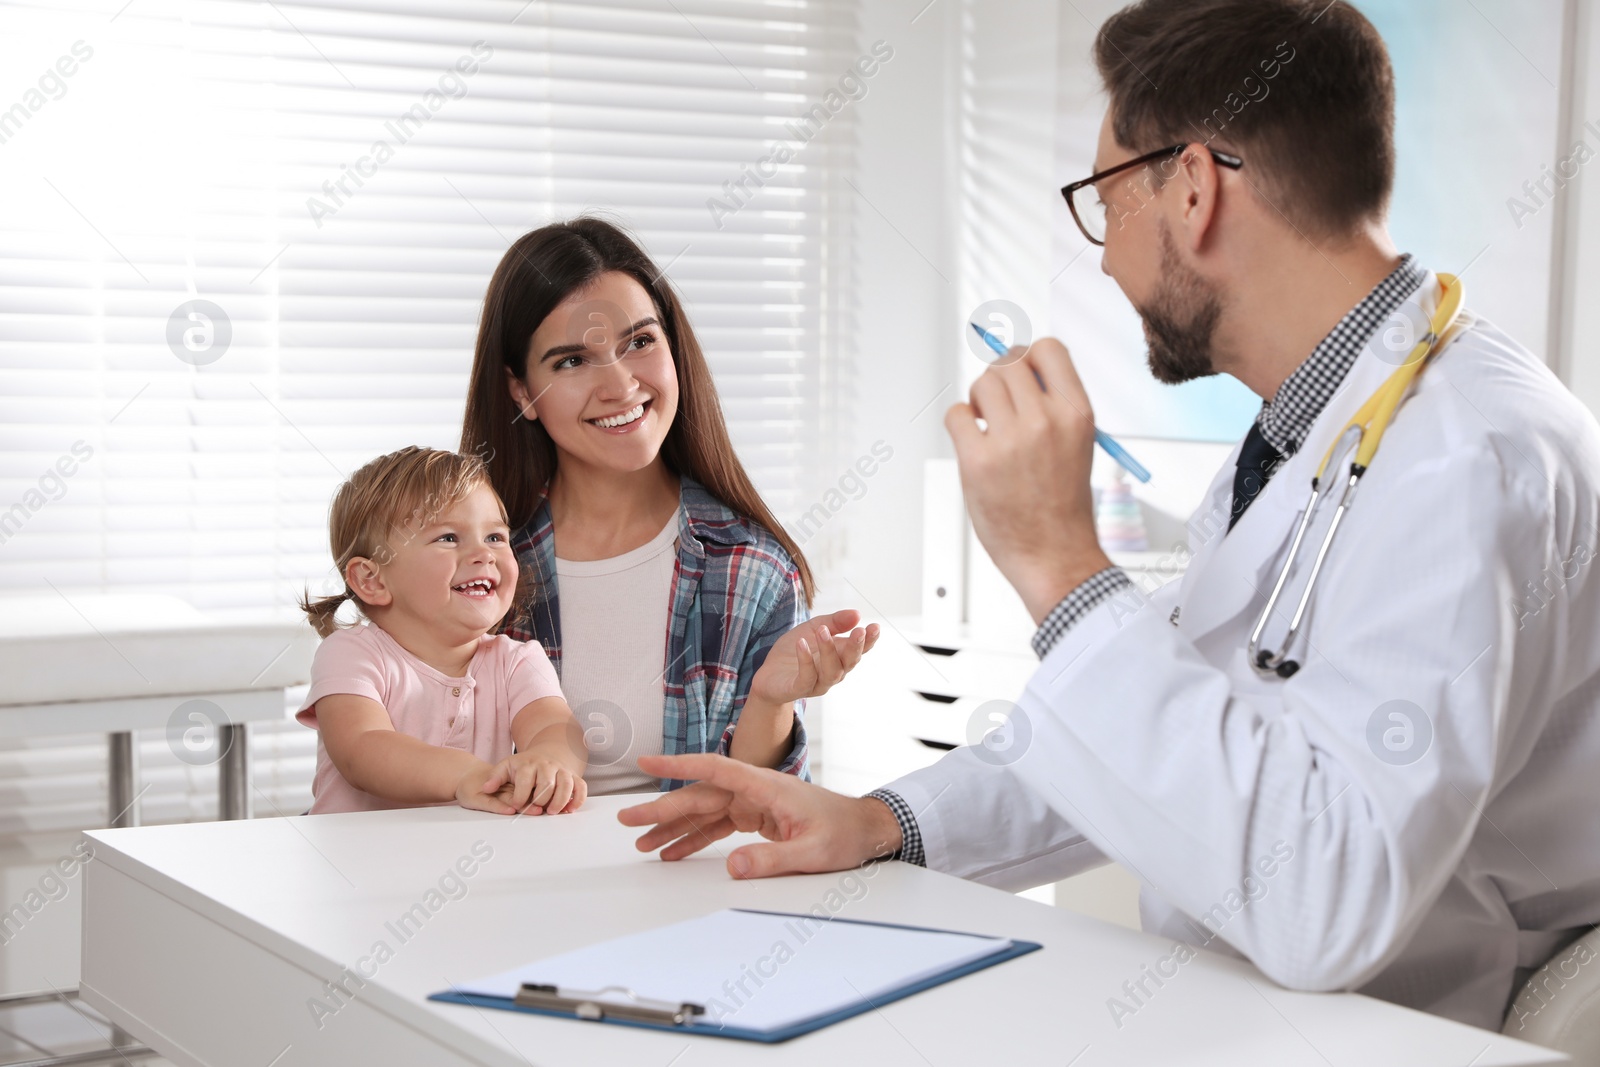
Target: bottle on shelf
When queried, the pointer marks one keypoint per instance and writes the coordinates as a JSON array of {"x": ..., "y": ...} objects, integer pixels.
[{"x": 1117, "y": 517}]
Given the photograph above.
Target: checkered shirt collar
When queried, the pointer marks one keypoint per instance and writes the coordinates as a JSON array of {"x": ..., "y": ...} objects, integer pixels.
[{"x": 1286, "y": 419}]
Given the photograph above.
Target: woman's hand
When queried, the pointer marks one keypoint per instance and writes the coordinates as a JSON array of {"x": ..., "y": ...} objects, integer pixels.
[
  {"x": 537, "y": 785},
  {"x": 813, "y": 657}
]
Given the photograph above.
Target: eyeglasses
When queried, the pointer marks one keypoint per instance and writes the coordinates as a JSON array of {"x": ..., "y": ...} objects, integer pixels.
[{"x": 1093, "y": 215}]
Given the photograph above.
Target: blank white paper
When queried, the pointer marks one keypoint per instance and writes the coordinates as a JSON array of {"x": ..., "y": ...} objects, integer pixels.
[{"x": 750, "y": 970}]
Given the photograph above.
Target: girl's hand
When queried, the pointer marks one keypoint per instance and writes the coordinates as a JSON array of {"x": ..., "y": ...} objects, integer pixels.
[
  {"x": 813, "y": 657},
  {"x": 475, "y": 790},
  {"x": 537, "y": 785}
]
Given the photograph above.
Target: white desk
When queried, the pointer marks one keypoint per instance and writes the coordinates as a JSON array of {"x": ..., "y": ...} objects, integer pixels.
[
  {"x": 114, "y": 664},
  {"x": 210, "y": 942}
]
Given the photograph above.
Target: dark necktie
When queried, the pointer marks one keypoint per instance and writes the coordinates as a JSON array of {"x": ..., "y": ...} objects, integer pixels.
[{"x": 1257, "y": 460}]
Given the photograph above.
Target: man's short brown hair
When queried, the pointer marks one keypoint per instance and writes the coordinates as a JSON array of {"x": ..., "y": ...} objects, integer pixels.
[{"x": 1302, "y": 89}]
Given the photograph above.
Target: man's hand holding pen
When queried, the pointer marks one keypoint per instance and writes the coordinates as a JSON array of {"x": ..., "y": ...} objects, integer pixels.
[{"x": 1026, "y": 477}]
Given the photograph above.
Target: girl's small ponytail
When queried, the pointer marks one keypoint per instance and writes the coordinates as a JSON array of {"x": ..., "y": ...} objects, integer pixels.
[{"x": 321, "y": 611}]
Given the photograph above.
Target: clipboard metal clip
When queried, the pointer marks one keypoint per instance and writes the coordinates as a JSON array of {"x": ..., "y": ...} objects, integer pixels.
[{"x": 587, "y": 1004}]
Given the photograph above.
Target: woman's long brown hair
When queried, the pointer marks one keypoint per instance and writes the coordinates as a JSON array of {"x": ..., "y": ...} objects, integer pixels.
[{"x": 538, "y": 272}]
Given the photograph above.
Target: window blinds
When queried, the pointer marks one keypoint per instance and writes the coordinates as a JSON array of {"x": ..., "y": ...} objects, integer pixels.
[{"x": 246, "y": 243}]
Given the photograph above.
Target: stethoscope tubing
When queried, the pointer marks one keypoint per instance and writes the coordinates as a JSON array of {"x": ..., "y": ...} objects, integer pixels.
[{"x": 1371, "y": 420}]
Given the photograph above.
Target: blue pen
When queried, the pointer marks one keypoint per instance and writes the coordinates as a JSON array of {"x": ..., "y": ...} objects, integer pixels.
[{"x": 1103, "y": 439}]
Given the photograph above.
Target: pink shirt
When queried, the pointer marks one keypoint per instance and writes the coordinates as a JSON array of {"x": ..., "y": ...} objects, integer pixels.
[{"x": 472, "y": 713}]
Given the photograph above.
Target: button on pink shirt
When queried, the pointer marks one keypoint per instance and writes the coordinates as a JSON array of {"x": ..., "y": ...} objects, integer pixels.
[{"x": 472, "y": 713}]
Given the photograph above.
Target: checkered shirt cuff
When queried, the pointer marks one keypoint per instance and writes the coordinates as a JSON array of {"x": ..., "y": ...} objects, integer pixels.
[
  {"x": 1075, "y": 605},
  {"x": 910, "y": 837}
]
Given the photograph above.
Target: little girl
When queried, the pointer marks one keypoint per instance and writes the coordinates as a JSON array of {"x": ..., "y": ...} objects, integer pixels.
[{"x": 420, "y": 704}]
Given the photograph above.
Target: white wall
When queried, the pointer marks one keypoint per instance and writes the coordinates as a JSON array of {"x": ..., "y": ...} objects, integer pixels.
[
  {"x": 870, "y": 549},
  {"x": 955, "y": 196},
  {"x": 1576, "y": 317}
]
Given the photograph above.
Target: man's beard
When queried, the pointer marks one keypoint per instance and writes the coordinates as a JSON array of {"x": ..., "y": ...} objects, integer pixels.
[{"x": 1181, "y": 320}]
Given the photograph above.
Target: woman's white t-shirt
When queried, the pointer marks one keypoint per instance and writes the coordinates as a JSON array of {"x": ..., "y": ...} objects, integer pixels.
[{"x": 613, "y": 654}]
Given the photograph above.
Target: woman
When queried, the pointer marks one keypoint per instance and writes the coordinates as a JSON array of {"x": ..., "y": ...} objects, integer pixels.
[{"x": 670, "y": 600}]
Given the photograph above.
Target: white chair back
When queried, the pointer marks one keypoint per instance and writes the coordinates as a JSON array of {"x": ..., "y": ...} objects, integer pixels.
[{"x": 1559, "y": 1005}]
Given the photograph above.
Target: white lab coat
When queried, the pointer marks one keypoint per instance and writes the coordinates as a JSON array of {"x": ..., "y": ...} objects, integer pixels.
[{"x": 1260, "y": 804}]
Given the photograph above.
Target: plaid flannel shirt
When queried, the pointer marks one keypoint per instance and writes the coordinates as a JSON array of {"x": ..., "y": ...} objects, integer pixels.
[{"x": 735, "y": 591}]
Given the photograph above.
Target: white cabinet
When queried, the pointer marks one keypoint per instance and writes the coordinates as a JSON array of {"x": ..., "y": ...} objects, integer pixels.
[{"x": 914, "y": 697}]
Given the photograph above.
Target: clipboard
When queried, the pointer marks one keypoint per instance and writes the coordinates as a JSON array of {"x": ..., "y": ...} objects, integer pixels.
[{"x": 622, "y": 1005}]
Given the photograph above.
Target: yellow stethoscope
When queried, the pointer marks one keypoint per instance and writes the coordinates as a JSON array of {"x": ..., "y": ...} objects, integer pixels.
[{"x": 1369, "y": 424}]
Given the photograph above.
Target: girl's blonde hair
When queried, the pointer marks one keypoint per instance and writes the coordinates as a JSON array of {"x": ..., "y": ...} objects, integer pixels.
[{"x": 383, "y": 506}]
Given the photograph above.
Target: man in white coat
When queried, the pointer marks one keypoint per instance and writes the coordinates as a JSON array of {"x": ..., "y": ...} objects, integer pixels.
[{"x": 1422, "y": 795}]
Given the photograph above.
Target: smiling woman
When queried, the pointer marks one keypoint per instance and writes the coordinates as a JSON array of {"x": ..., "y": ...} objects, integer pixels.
[{"x": 665, "y": 593}]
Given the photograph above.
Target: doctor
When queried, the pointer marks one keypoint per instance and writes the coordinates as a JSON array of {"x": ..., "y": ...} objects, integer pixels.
[{"x": 1414, "y": 812}]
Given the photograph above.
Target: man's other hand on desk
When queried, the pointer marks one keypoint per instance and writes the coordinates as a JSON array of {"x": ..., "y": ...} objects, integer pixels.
[{"x": 811, "y": 829}]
